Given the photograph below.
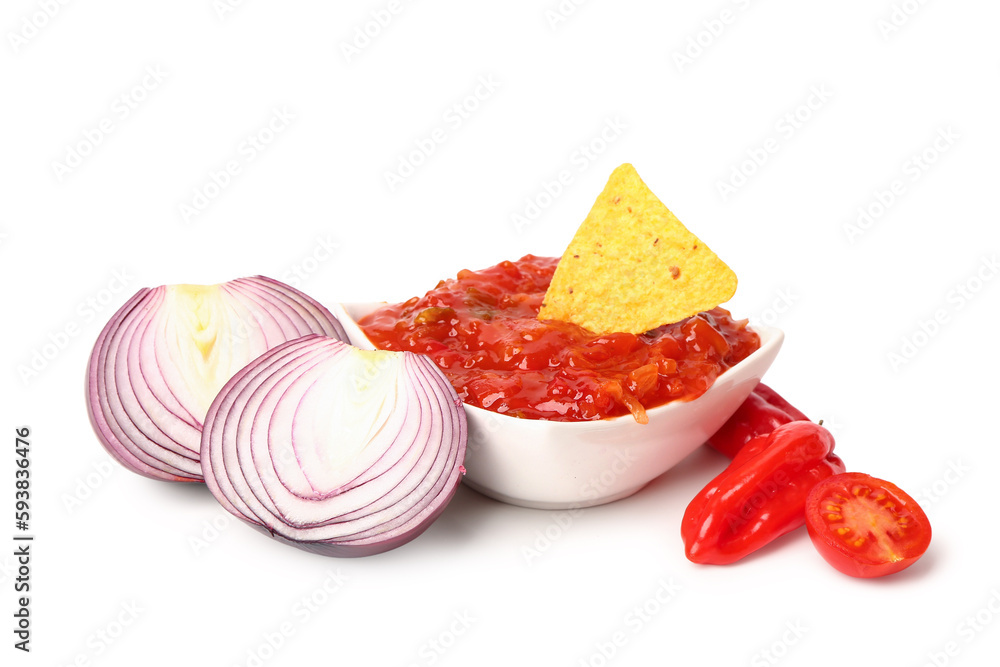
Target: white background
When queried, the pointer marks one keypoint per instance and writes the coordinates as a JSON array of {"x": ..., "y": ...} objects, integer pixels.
[{"x": 78, "y": 240}]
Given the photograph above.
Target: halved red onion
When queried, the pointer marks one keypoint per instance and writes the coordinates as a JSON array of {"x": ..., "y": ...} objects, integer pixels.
[
  {"x": 333, "y": 449},
  {"x": 161, "y": 360}
]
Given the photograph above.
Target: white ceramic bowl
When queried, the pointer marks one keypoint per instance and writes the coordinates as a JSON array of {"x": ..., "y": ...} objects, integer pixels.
[{"x": 562, "y": 465}]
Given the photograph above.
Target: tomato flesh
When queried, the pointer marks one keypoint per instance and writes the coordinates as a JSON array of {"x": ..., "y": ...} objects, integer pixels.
[{"x": 865, "y": 526}]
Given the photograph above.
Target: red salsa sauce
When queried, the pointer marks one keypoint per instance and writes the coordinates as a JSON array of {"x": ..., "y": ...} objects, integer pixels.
[{"x": 482, "y": 329}]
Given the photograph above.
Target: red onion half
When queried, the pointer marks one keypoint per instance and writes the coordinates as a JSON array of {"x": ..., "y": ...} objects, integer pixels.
[
  {"x": 333, "y": 449},
  {"x": 161, "y": 360}
]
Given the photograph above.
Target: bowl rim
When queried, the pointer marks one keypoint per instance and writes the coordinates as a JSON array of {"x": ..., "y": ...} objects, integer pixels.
[{"x": 770, "y": 337}]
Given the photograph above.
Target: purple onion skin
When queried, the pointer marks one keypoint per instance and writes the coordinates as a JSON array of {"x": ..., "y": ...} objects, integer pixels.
[
  {"x": 223, "y": 482},
  {"x": 359, "y": 551},
  {"x": 105, "y": 435},
  {"x": 319, "y": 320}
]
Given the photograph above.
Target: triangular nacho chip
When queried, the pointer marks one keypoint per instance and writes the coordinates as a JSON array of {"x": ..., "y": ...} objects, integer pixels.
[{"x": 632, "y": 266}]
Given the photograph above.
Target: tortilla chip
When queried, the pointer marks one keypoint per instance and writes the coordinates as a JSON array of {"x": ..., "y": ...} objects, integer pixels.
[{"x": 632, "y": 266}]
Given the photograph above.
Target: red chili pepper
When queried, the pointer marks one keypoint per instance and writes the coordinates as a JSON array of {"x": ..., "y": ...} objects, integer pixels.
[
  {"x": 762, "y": 412},
  {"x": 761, "y": 495}
]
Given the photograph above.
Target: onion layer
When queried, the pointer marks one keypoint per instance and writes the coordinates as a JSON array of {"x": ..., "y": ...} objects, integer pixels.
[
  {"x": 161, "y": 360},
  {"x": 333, "y": 449}
]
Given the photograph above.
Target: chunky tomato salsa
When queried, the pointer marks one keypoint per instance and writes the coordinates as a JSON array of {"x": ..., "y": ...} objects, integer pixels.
[{"x": 482, "y": 329}]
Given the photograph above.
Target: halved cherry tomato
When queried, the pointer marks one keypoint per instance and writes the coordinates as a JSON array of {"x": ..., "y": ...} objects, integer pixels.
[{"x": 865, "y": 526}]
